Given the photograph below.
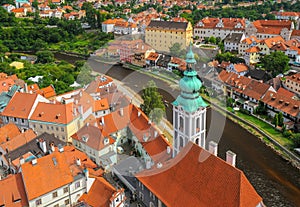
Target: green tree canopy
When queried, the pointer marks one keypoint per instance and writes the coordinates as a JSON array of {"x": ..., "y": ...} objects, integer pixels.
[
  {"x": 276, "y": 63},
  {"x": 176, "y": 50},
  {"x": 45, "y": 56},
  {"x": 153, "y": 105}
]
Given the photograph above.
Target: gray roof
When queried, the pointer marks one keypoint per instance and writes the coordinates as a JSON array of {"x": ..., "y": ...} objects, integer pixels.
[
  {"x": 168, "y": 24},
  {"x": 33, "y": 147},
  {"x": 234, "y": 38},
  {"x": 126, "y": 169}
]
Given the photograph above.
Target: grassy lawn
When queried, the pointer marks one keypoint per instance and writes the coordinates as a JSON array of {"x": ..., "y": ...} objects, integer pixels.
[{"x": 271, "y": 131}]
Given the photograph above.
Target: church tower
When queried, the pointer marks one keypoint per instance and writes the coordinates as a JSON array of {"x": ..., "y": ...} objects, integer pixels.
[{"x": 189, "y": 109}]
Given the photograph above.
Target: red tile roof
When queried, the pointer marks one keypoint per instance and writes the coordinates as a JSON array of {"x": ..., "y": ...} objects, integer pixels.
[
  {"x": 19, "y": 140},
  {"x": 201, "y": 180},
  {"x": 95, "y": 137},
  {"x": 228, "y": 23},
  {"x": 55, "y": 113},
  {"x": 10, "y": 131},
  {"x": 100, "y": 105},
  {"x": 100, "y": 193},
  {"x": 19, "y": 108},
  {"x": 282, "y": 103},
  {"x": 240, "y": 67},
  {"x": 48, "y": 175},
  {"x": 270, "y": 42},
  {"x": 13, "y": 192},
  {"x": 284, "y": 92}
]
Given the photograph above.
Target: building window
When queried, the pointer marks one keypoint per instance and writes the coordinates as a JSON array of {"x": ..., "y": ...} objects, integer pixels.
[
  {"x": 66, "y": 190},
  {"x": 41, "y": 126},
  {"x": 54, "y": 195},
  {"x": 141, "y": 195},
  {"x": 22, "y": 120},
  {"x": 67, "y": 202},
  {"x": 48, "y": 127},
  {"x": 56, "y": 128},
  {"x": 77, "y": 185},
  {"x": 62, "y": 129},
  {"x": 38, "y": 202}
]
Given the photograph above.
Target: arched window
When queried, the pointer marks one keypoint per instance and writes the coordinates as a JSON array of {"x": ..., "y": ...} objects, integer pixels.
[
  {"x": 180, "y": 123},
  {"x": 197, "y": 141},
  {"x": 181, "y": 142}
]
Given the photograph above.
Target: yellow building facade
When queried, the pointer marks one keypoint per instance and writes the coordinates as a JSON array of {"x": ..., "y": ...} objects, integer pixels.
[{"x": 161, "y": 35}]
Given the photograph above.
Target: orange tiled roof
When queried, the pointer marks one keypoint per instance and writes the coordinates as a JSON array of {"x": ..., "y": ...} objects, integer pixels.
[
  {"x": 272, "y": 23},
  {"x": 294, "y": 78},
  {"x": 270, "y": 42},
  {"x": 46, "y": 175},
  {"x": 101, "y": 104},
  {"x": 19, "y": 140},
  {"x": 100, "y": 187},
  {"x": 6, "y": 84},
  {"x": 19, "y": 108},
  {"x": 254, "y": 49},
  {"x": 228, "y": 23},
  {"x": 210, "y": 181},
  {"x": 284, "y": 92},
  {"x": 95, "y": 137},
  {"x": 13, "y": 192},
  {"x": 152, "y": 56},
  {"x": 54, "y": 112},
  {"x": 33, "y": 88},
  {"x": 48, "y": 92},
  {"x": 295, "y": 32},
  {"x": 240, "y": 67},
  {"x": 18, "y": 10},
  {"x": 9, "y": 130},
  {"x": 282, "y": 103},
  {"x": 250, "y": 40}
]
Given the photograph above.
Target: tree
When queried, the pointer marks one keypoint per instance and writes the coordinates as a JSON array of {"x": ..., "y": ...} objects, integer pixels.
[
  {"x": 212, "y": 40},
  {"x": 280, "y": 119},
  {"x": 275, "y": 120},
  {"x": 275, "y": 63},
  {"x": 153, "y": 105},
  {"x": 176, "y": 51},
  {"x": 85, "y": 75},
  {"x": 45, "y": 56}
]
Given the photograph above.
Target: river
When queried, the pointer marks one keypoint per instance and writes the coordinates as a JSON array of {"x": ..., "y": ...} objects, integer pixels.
[{"x": 276, "y": 180}]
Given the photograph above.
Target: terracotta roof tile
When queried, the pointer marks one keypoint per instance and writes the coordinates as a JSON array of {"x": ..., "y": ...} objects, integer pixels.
[
  {"x": 95, "y": 137},
  {"x": 99, "y": 194},
  {"x": 100, "y": 105},
  {"x": 55, "y": 113},
  {"x": 10, "y": 131},
  {"x": 210, "y": 181},
  {"x": 14, "y": 194},
  {"x": 18, "y": 140},
  {"x": 19, "y": 108},
  {"x": 282, "y": 103},
  {"x": 228, "y": 23},
  {"x": 48, "y": 175}
]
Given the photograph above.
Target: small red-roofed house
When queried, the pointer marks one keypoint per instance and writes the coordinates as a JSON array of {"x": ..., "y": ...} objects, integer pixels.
[
  {"x": 62, "y": 120},
  {"x": 96, "y": 144},
  {"x": 18, "y": 111},
  {"x": 292, "y": 83},
  {"x": 239, "y": 68},
  {"x": 102, "y": 194}
]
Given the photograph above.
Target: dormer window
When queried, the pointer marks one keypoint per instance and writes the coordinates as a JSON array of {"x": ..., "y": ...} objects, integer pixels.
[{"x": 85, "y": 138}]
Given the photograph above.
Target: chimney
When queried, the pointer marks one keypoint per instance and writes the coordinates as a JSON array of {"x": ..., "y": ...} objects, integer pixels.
[
  {"x": 230, "y": 157},
  {"x": 52, "y": 147},
  {"x": 149, "y": 121},
  {"x": 86, "y": 173},
  {"x": 159, "y": 165},
  {"x": 155, "y": 133},
  {"x": 60, "y": 148},
  {"x": 168, "y": 149},
  {"x": 213, "y": 148},
  {"x": 145, "y": 138},
  {"x": 148, "y": 164},
  {"x": 43, "y": 146},
  {"x": 78, "y": 162},
  {"x": 102, "y": 120},
  {"x": 22, "y": 160},
  {"x": 25, "y": 88},
  {"x": 121, "y": 111},
  {"x": 139, "y": 113},
  {"x": 34, "y": 161}
]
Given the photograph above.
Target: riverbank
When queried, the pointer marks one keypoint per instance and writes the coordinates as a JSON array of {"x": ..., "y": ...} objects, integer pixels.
[{"x": 263, "y": 135}]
